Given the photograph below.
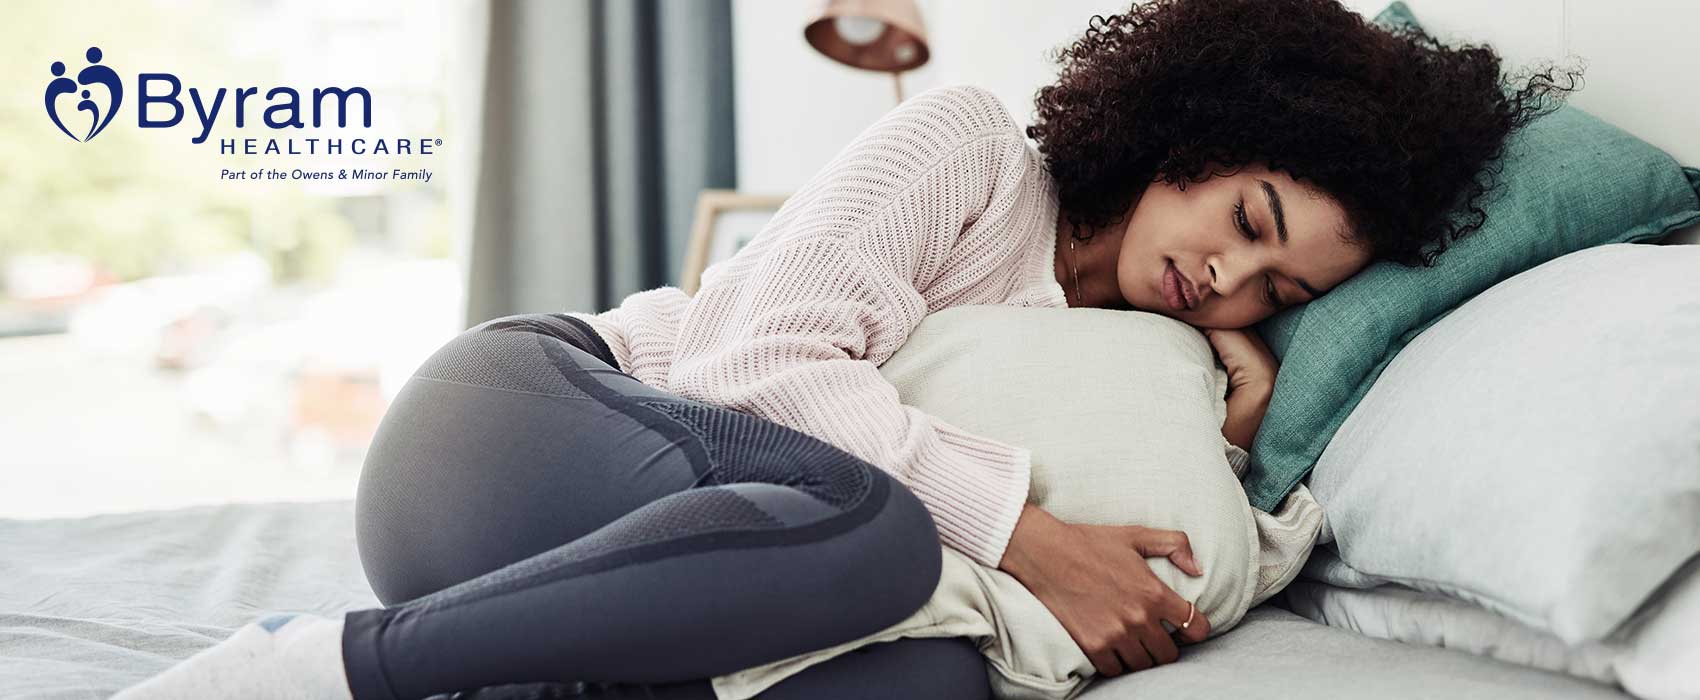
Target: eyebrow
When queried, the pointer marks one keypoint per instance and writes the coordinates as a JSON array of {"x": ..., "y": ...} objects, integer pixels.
[{"x": 1281, "y": 229}]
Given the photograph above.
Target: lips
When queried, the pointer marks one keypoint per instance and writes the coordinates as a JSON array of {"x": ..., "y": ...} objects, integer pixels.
[
  {"x": 1187, "y": 288},
  {"x": 1174, "y": 289}
]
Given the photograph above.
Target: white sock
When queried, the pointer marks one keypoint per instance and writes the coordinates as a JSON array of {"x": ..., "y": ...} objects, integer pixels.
[{"x": 283, "y": 657}]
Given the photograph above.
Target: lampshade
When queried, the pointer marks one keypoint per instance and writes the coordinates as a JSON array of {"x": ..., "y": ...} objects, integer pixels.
[{"x": 880, "y": 35}]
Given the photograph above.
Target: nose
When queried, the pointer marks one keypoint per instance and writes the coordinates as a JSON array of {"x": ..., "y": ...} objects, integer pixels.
[{"x": 1223, "y": 276}]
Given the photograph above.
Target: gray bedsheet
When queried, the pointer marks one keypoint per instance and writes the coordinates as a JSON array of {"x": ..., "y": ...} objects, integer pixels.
[{"x": 91, "y": 605}]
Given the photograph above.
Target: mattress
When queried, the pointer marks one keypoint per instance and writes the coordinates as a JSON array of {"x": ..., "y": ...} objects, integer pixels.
[
  {"x": 1274, "y": 653},
  {"x": 91, "y": 605}
]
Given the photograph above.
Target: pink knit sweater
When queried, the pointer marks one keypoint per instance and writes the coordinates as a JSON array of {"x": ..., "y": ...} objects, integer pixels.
[{"x": 939, "y": 203}]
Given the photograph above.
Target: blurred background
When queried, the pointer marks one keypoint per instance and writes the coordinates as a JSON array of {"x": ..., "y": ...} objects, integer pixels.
[{"x": 169, "y": 338}]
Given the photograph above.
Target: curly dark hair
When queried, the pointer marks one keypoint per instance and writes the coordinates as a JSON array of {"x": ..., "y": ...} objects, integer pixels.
[{"x": 1404, "y": 131}]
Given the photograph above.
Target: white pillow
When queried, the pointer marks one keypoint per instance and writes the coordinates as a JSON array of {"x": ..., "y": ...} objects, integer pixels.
[
  {"x": 1536, "y": 451},
  {"x": 1654, "y": 655},
  {"x": 1123, "y": 412}
]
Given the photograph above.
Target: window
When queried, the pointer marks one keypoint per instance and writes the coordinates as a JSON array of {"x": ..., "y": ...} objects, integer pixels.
[{"x": 170, "y": 338}]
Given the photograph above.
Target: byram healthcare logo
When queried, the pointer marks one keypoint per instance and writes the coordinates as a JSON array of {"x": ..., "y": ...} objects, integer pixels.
[
  {"x": 94, "y": 75},
  {"x": 284, "y": 112},
  {"x": 160, "y": 104}
]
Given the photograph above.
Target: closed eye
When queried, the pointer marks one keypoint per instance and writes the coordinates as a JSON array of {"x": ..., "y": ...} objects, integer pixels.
[
  {"x": 1270, "y": 296},
  {"x": 1242, "y": 222}
]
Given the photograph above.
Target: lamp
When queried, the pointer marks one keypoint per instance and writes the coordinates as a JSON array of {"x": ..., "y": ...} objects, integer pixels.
[{"x": 877, "y": 35}]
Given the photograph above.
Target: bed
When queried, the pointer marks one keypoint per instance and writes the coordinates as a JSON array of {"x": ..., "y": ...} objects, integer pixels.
[{"x": 91, "y": 605}]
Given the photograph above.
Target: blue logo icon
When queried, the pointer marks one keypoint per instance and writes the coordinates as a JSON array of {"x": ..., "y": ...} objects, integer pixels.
[{"x": 94, "y": 74}]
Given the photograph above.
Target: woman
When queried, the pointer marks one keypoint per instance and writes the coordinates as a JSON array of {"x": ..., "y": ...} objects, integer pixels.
[{"x": 683, "y": 487}]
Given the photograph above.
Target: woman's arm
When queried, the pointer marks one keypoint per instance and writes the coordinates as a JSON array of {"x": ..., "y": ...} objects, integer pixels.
[
  {"x": 793, "y": 327},
  {"x": 1246, "y": 407},
  {"x": 1251, "y": 381}
]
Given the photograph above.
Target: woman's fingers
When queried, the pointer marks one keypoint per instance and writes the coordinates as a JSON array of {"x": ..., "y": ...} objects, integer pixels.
[
  {"x": 1172, "y": 544},
  {"x": 1118, "y": 611},
  {"x": 1158, "y": 644},
  {"x": 1132, "y": 652},
  {"x": 1186, "y": 563},
  {"x": 1244, "y": 355},
  {"x": 1106, "y": 661},
  {"x": 1176, "y": 611}
]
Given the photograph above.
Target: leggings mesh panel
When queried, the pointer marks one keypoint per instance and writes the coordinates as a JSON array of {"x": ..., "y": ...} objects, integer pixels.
[
  {"x": 513, "y": 361},
  {"x": 742, "y": 448},
  {"x": 683, "y": 514}
]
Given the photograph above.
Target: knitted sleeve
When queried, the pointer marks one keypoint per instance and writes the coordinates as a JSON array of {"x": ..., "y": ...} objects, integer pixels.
[
  {"x": 794, "y": 326},
  {"x": 1237, "y": 458}
]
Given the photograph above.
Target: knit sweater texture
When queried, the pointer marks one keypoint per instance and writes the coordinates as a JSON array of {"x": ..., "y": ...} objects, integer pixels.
[{"x": 940, "y": 202}]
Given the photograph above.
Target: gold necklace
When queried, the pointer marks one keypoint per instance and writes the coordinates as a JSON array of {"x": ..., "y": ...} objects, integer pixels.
[{"x": 1074, "y": 271}]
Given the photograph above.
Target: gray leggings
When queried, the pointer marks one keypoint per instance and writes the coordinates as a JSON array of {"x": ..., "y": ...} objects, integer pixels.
[{"x": 539, "y": 524}]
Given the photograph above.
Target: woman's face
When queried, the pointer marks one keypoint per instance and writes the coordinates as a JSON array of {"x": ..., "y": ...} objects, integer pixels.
[{"x": 1225, "y": 278}]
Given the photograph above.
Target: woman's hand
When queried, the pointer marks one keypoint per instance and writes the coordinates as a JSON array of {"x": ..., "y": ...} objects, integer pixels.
[
  {"x": 1094, "y": 580},
  {"x": 1251, "y": 380},
  {"x": 1245, "y": 356}
]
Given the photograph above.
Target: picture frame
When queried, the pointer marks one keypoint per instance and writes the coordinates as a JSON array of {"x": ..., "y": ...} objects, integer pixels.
[{"x": 724, "y": 221}]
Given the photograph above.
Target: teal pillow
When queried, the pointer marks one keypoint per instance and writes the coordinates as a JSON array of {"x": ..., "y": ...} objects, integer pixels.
[{"x": 1568, "y": 181}]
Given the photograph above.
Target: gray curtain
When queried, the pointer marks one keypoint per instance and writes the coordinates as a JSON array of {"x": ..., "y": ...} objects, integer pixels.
[{"x": 601, "y": 121}]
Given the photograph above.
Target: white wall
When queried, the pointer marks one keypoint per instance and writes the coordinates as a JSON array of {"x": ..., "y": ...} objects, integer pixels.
[
  {"x": 1642, "y": 56},
  {"x": 796, "y": 108}
]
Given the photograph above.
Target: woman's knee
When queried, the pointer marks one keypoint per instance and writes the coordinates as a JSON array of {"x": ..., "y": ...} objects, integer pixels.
[
  {"x": 915, "y": 549},
  {"x": 852, "y": 516},
  {"x": 898, "y": 541},
  {"x": 897, "y": 534},
  {"x": 882, "y": 525}
]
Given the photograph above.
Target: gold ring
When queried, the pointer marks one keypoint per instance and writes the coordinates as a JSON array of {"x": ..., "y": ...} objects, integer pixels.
[{"x": 1190, "y": 609}]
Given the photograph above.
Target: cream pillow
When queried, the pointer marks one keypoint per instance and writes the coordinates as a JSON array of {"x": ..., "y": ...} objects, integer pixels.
[{"x": 1123, "y": 414}]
